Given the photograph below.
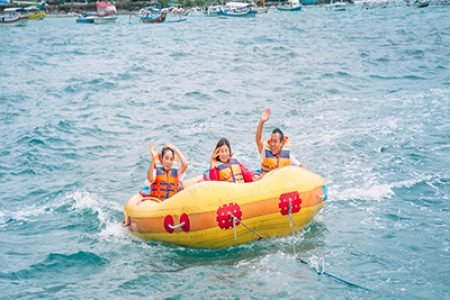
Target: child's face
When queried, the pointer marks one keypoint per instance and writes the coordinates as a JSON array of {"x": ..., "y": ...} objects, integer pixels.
[
  {"x": 275, "y": 143},
  {"x": 167, "y": 160},
  {"x": 224, "y": 153}
]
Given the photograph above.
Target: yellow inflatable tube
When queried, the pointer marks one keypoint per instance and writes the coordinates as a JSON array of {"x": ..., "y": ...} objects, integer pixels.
[{"x": 215, "y": 214}]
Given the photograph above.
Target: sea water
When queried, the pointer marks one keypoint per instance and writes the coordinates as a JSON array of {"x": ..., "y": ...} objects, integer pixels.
[{"x": 363, "y": 94}]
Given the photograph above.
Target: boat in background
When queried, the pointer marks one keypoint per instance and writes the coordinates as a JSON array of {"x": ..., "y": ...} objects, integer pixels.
[
  {"x": 86, "y": 18},
  {"x": 260, "y": 9},
  {"x": 15, "y": 16},
  {"x": 338, "y": 6},
  {"x": 176, "y": 14},
  {"x": 106, "y": 14},
  {"x": 308, "y": 2},
  {"x": 36, "y": 12},
  {"x": 237, "y": 14},
  {"x": 105, "y": 20},
  {"x": 237, "y": 9},
  {"x": 152, "y": 15},
  {"x": 292, "y": 5},
  {"x": 418, "y": 3},
  {"x": 212, "y": 11},
  {"x": 195, "y": 11},
  {"x": 13, "y": 20}
]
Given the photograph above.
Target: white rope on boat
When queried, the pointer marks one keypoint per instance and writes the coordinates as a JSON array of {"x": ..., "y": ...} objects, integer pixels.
[
  {"x": 246, "y": 226},
  {"x": 176, "y": 226}
]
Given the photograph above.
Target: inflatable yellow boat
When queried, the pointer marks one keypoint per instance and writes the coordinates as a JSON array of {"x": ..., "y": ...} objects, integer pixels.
[{"x": 214, "y": 214}]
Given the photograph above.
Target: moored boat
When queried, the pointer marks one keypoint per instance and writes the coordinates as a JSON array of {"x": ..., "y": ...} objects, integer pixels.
[
  {"x": 86, "y": 19},
  {"x": 236, "y": 13},
  {"x": 261, "y": 9},
  {"x": 176, "y": 14},
  {"x": 419, "y": 3},
  {"x": 106, "y": 13},
  {"x": 215, "y": 214},
  {"x": 14, "y": 17},
  {"x": 292, "y": 5},
  {"x": 212, "y": 11},
  {"x": 13, "y": 20},
  {"x": 36, "y": 12},
  {"x": 338, "y": 6},
  {"x": 236, "y": 9},
  {"x": 152, "y": 15},
  {"x": 105, "y": 20}
]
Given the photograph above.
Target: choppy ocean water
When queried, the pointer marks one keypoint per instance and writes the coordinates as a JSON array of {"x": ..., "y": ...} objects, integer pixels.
[{"x": 365, "y": 96}]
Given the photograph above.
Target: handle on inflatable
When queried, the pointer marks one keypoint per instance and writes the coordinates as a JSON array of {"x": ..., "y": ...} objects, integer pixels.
[
  {"x": 154, "y": 199},
  {"x": 176, "y": 226}
]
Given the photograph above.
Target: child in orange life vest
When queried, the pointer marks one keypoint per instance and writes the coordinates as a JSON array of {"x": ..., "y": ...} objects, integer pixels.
[
  {"x": 223, "y": 167},
  {"x": 276, "y": 151},
  {"x": 164, "y": 174}
]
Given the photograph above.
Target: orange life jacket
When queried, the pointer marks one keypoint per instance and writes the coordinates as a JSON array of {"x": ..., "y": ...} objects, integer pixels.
[
  {"x": 166, "y": 183},
  {"x": 230, "y": 172},
  {"x": 271, "y": 161}
]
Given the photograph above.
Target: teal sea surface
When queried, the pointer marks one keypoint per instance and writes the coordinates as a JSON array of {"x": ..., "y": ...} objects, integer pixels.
[{"x": 363, "y": 94}]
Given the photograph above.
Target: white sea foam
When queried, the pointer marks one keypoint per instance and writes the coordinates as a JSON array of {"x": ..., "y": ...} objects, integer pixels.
[
  {"x": 377, "y": 192},
  {"x": 22, "y": 214},
  {"x": 268, "y": 262},
  {"x": 85, "y": 200},
  {"x": 317, "y": 263},
  {"x": 113, "y": 230},
  {"x": 79, "y": 200}
]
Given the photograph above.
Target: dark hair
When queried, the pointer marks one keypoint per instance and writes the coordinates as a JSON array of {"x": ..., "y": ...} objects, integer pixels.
[
  {"x": 220, "y": 143},
  {"x": 280, "y": 133},
  {"x": 165, "y": 149}
]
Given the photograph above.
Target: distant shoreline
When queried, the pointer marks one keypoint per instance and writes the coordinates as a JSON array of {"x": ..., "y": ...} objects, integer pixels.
[{"x": 123, "y": 6}]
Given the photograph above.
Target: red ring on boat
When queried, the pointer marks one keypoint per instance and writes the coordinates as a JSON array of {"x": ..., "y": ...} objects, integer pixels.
[
  {"x": 223, "y": 215},
  {"x": 185, "y": 218},
  {"x": 294, "y": 198},
  {"x": 168, "y": 220}
]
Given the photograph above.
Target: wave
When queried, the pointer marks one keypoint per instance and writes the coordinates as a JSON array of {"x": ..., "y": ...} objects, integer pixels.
[
  {"x": 197, "y": 95},
  {"x": 55, "y": 264},
  {"x": 24, "y": 214},
  {"x": 78, "y": 201},
  {"x": 377, "y": 192}
]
